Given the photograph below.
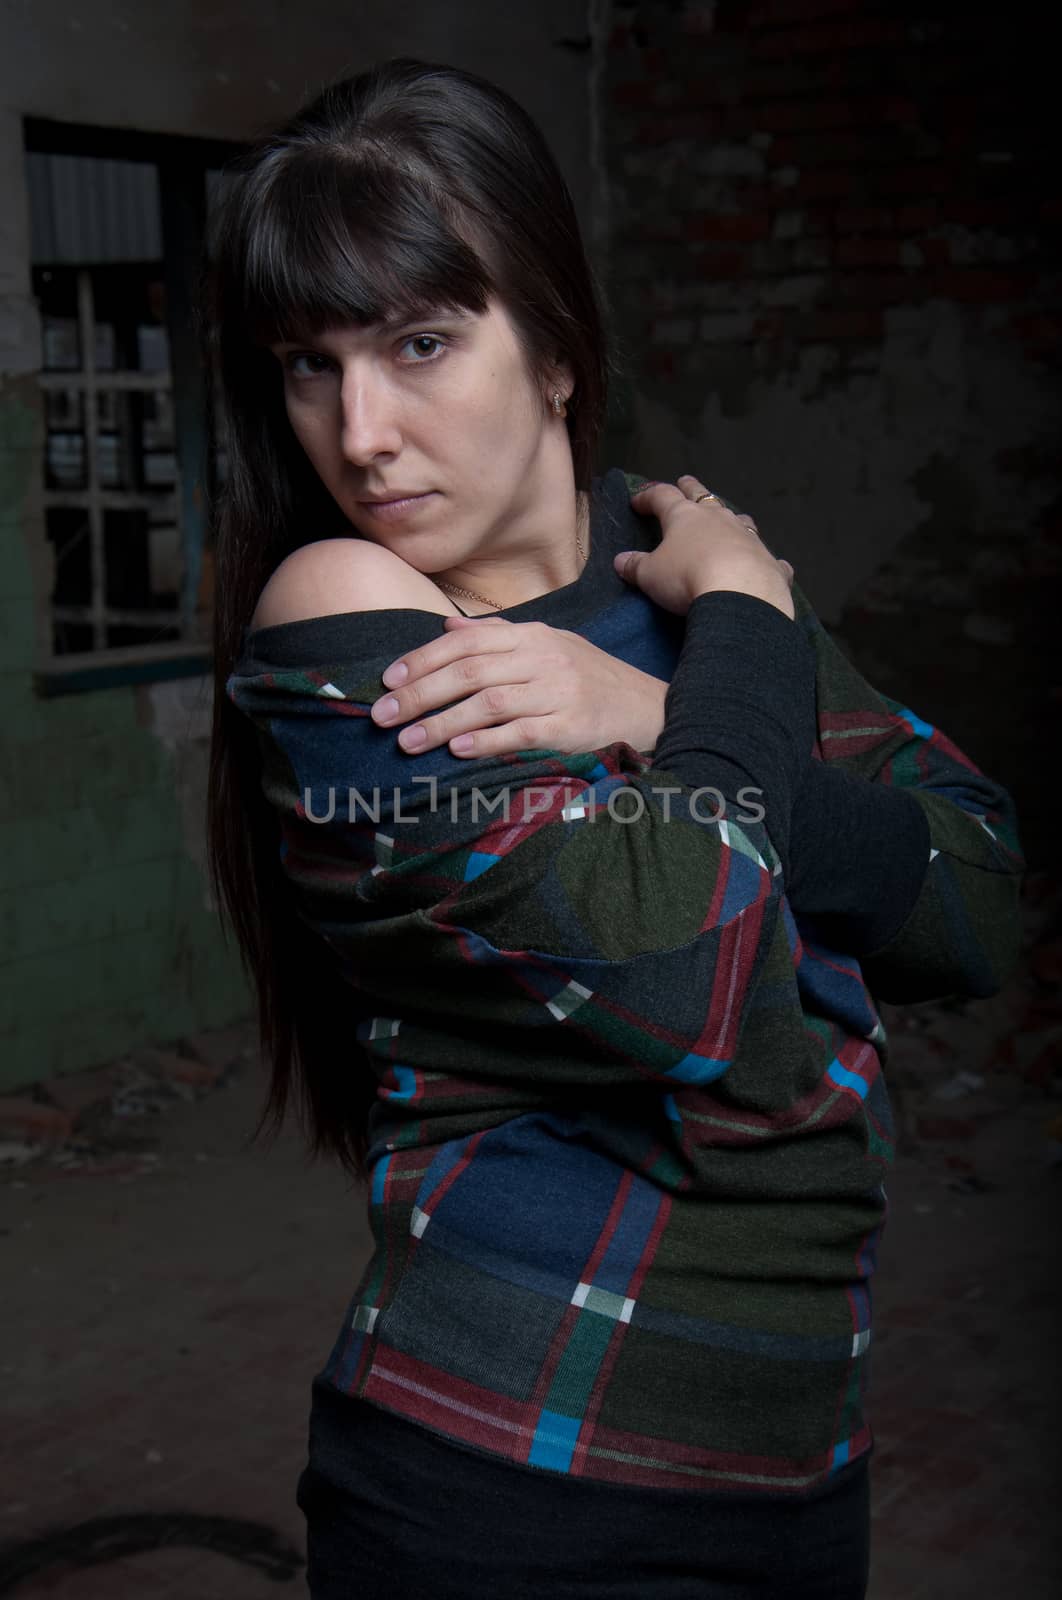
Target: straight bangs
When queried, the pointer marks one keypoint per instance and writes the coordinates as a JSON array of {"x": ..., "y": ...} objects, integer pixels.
[{"x": 322, "y": 243}]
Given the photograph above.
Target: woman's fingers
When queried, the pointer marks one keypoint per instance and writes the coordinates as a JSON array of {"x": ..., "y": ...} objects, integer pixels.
[
  {"x": 694, "y": 489},
  {"x": 502, "y": 702},
  {"x": 712, "y": 550},
  {"x": 462, "y": 724},
  {"x": 449, "y": 667},
  {"x": 445, "y": 649},
  {"x": 489, "y": 682},
  {"x": 465, "y": 677},
  {"x": 626, "y": 564}
]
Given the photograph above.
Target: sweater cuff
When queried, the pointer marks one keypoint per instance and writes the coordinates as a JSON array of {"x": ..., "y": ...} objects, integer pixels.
[
  {"x": 859, "y": 853},
  {"x": 740, "y": 709}
]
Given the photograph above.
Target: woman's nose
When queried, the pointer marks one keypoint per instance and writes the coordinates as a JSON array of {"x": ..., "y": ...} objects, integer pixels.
[{"x": 370, "y": 421}]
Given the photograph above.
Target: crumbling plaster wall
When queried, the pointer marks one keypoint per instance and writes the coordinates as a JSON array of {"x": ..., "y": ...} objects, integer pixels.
[{"x": 833, "y": 230}]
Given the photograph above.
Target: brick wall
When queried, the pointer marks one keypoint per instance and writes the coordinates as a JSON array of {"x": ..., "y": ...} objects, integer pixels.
[{"x": 833, "y": 271}]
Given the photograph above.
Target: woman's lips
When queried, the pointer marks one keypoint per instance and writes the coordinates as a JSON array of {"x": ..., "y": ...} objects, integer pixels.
[{"x": 393, "y": 510}]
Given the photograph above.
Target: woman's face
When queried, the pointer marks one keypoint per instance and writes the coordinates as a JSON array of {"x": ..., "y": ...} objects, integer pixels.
[{"x": 441, "y": 407}]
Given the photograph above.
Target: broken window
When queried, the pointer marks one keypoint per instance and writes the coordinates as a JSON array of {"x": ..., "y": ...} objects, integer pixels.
[{"x": 129, "y": 456}]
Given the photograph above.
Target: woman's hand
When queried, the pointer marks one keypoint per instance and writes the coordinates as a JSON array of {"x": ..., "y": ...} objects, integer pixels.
[
  {"x": 519, "y": 686},
  {"x": 704, "y": 547}
]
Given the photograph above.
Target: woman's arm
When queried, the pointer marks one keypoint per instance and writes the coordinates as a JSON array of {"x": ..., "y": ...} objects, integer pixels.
[
  {"x": 904, "y": 853},
  {"x": 593, "y": 912}
]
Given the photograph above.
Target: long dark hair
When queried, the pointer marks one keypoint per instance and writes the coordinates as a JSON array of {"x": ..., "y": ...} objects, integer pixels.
[{"x": 412, "y": 185}]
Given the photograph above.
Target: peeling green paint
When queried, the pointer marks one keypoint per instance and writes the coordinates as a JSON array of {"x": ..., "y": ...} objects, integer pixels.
[{"x": 107, "y": 936}]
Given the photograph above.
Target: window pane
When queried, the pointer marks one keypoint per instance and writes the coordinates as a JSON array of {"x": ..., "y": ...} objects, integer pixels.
[{"x": 68, "y": 532}]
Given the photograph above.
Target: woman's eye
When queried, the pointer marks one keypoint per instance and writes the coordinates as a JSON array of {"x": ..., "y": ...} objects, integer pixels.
[
  {"x": 420, "y": 339},
  {"x": 426, "y": 347},
  {"x": 291, "y": 363}
]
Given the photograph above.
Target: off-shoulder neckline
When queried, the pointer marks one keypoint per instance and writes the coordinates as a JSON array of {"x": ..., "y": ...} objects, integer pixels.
[{"x": 602, "y": 489}]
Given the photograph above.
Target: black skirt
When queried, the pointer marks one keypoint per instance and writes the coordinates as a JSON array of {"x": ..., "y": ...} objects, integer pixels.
[{"x": 396, "y": 1512}]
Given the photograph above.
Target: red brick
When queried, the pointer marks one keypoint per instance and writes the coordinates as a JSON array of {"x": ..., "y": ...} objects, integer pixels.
[
  {"x": 664, "y": 227},
  {"x": 864, "y": 219},
  {"x": 32, "y": 1119},
  {"x": 668, "y": 125},
  {"x": 783, "y": 152},
  {"x": 827, "y": 326},
  {"x": 975, "y": 212},
  {"x": 726, "y": 327},
  {"x": 738, "y": 225},
  {"x": 818, "y": 221},
  {"x": 832, "y": 37},
  {"x": 1040, "y": 335},
  {"x": 959, "y": 139},
  {"x": 689, "y": 87},
  {"x": 765, "y": 13},
  {"x": 786, "y": 115},
  {"x": 982, "y": 285},
  {"x": 923, "y": 179},
  {"x": 633, "y": 96},
  {"x": 824, "y": 181},
  {"x": 862, "y": 252},
  {"x": 808, "y": 115},
  {"x": 770, "y": 325},
  {"x": 882, "y": 289},
  {"x": 723, "y": 263},
  {"x": 662, "y": 363},
  {"x": 912, "y": 219},
  {"x": 771, "y": 80},
  {"x": 753, "y": 196},
  {"x": 936, "y": 251},
  {"x": 698, "y": 18},
  {"x": 853, "y": 150}
]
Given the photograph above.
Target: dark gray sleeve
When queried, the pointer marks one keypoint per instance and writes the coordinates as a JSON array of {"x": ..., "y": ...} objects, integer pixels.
[
  {"x": 740, "y": 714},
  {"x": 740, "y": 709},
  {"x": 859, "y": 854}
]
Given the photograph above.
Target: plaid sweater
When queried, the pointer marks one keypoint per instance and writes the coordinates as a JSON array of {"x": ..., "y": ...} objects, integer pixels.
[{"x": 631, "y": 1125}]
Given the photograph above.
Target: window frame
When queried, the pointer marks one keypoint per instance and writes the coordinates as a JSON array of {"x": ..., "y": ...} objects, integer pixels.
[{"x": 182, "y": 162}]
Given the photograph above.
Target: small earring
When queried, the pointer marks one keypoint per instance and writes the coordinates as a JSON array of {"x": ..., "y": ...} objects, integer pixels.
[{"x": 558, "y": 404}]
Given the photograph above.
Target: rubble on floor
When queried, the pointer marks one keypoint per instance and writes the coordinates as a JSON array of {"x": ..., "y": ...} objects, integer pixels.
[{"x": 100, "y": 1121}]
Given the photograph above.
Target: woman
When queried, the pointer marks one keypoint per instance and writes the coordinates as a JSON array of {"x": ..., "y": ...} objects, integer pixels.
[{"x": 582, "y": 984}]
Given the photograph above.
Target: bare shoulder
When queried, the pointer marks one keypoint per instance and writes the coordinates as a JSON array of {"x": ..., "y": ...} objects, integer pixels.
[{"x": 339, "y": 575}]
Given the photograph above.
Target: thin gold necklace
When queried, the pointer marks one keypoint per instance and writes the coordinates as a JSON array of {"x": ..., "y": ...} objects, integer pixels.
[{"x": 472, "y": 595}]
